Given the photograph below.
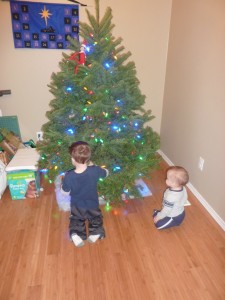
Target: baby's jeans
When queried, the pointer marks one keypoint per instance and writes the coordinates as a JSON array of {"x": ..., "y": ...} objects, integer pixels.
[{"x": 168, "y": 222}]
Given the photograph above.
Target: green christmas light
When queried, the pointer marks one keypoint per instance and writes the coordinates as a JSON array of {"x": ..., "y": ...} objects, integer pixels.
[{"x": 107, "y": 207}]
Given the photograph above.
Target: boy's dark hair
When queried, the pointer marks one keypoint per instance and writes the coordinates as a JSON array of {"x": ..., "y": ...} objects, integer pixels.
[
  {"x": 80, "y": 152},
  {"x": 181, "y": 174}
]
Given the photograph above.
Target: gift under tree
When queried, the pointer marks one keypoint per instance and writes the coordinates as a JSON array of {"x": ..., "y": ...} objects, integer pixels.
[{"x": 97, "y": 99}]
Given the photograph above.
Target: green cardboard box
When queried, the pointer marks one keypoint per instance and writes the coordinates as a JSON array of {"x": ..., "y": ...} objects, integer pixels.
[{"x": 23, "y": 184}]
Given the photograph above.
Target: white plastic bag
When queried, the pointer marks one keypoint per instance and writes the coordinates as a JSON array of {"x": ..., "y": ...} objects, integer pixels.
[
  {"x": 3, "y": 178},
  {"x": 62, "y": 199}
]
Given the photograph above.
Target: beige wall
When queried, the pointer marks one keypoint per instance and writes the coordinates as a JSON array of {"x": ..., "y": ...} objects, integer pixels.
[
  {"x": 144, "y": 27},
  {"x": 193, "y": 119}
]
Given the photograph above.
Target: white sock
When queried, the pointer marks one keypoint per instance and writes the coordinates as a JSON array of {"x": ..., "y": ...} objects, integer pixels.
[
  {"x": 93, "y": 238},
  {"x": 78, "y": 242}
]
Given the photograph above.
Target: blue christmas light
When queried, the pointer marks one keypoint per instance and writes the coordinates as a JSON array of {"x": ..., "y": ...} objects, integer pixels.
[
  {"x": 125, "y": 191},
  {"x": 137, "y": 124},
  {"x": 138, "y": 136},
  {"x": 69, "y": 89},
  {"x": 116, "y": 168},
  {"x": 89, "y": 49},
  {"x": 119, "y": 102},
  {"x": 44, "y": 171},
  {"x": 115, "y": 128},
  {"x": 107, "y": 65},
  {"x": 70, "y": 131}
]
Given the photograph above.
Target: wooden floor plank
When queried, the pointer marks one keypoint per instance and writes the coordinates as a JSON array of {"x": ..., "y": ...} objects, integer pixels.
[{"x": 134, "y": 261}]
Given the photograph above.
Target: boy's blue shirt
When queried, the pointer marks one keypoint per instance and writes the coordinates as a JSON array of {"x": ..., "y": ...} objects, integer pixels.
[{"x": 83, "y": 186}]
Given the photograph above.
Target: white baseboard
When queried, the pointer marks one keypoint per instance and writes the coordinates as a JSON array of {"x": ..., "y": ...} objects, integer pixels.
[{"x": 206, "y": 205}]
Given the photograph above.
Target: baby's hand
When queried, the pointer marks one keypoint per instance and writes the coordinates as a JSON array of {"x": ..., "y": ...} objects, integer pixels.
[{"x": 155, "y": 219}]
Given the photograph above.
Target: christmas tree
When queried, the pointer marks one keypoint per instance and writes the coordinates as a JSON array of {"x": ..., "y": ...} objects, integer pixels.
[{"x": 97, "y": 99}]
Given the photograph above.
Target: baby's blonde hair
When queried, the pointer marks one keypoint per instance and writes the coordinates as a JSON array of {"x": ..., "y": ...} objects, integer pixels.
[{"x": 180, "y": 174}]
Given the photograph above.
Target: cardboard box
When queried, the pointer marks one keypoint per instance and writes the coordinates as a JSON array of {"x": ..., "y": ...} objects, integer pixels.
[
  {"x": 12, "y": 139},
  {"x": 22, "y": 174},
  {"x": 4, "y": 157},
  {"x": 23, "y": 184}
]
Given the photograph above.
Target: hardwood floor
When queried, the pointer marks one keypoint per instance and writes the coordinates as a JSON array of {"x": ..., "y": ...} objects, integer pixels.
[{"x": 135, "y": 261}]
